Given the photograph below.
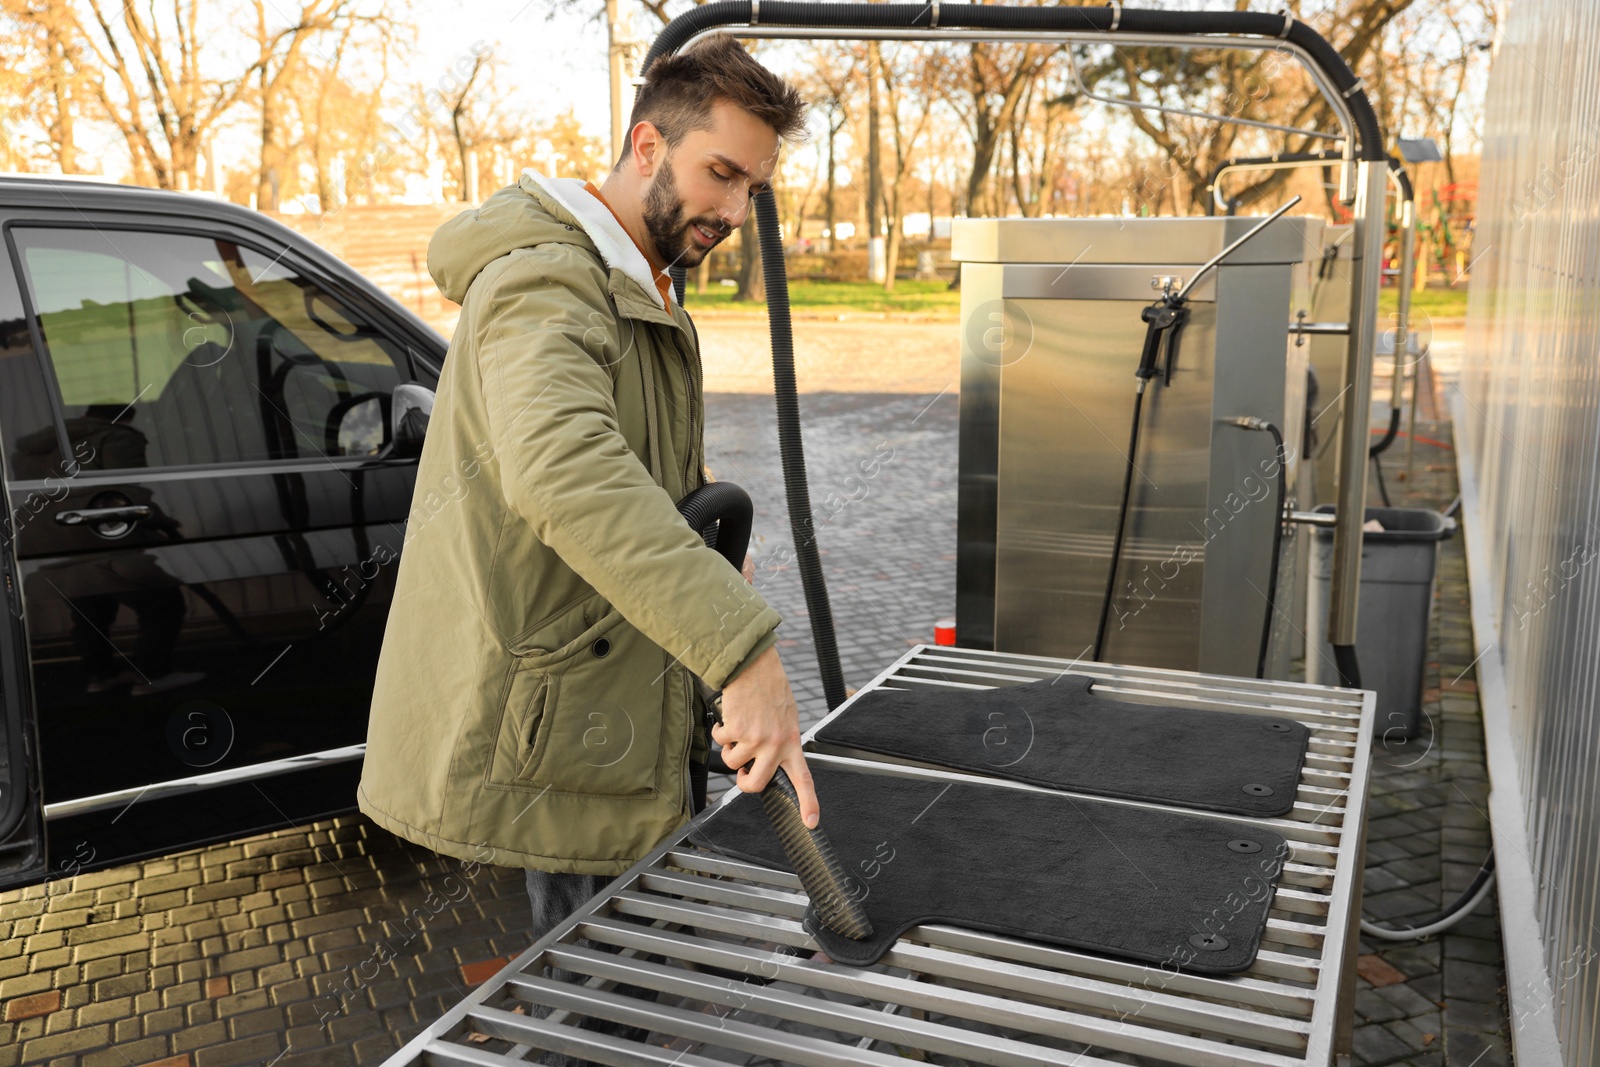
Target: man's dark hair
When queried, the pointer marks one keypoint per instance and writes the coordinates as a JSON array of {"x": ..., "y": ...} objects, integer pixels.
[{"x": 679, "y": 91}]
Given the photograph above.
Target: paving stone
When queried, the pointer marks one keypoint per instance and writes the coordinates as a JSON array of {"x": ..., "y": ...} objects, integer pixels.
[
  {"x": 1373, "y": 1044},
  {"x": 79, "y": 1040},
  {"x": 257, "y": 1049},
  {"x": 1471, "y": 981},
  {"x": 1413, "y": 1036},
  {"x": 1473, "y": 949},
  {"x": 33, "y": 1005},
  {"x": 1372, "y": 1008},
  {"x": 1472, "y": 1015},
  {"x": 1407, "y": 1001},
  {"x": 141, "y": 1051},
  {"x": 1476, "y": 1049}
]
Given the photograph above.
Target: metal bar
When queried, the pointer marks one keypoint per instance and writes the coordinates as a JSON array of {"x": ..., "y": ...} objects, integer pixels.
[
  {"x": 587, "y": 1044},
  {"x": 1351, "y": 489},
  {"x": 1402, "y": 328},
  {"x": 1077, "y": 991},
  {"x": 1336, "y": 102},
  {"x": 983, "y": 1007},
  {"x": 846, "y": 1018},
  {"x": 181, "y": 786},
  {"x": 1318, "y": 329},
  {"x": 725, "y": 1032},
  {"x": 1205, "y": 268},
  {"x": 1127, "y": 101}
]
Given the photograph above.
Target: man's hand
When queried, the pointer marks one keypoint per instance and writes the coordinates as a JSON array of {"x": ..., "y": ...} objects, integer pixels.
[{"x": 760, "y": 730}]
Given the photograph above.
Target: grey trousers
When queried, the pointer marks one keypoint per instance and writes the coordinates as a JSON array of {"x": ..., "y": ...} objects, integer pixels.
[{"x": 554, "y": 897}]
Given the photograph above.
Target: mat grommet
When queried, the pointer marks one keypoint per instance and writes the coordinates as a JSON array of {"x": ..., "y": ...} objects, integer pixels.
[
  {"x": 1257, "y": 790},
  {"x": 1208, "y": 942},
  {"x": 1242, "y": 845},
  {"x": 1277, "y": 727}
]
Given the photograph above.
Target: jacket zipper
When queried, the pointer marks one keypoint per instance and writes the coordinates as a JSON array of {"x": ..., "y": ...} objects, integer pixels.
[
  {"x": 688, "y": 747},
  {"x": 689, "y": 481}
]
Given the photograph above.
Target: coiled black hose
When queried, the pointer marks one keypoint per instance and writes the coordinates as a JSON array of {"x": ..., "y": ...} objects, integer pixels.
[
  {"x": 792, "y": 452},
  {"x": 1106, "y": 20},
  {"x": 1250, "y": 422},
  {"x": 731, "y": 505},
  {"x": 1344, "y": 658}
]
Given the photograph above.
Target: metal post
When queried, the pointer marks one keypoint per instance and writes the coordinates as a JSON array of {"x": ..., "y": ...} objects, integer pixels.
[
  {"x": 1408, "y": 269},
  {"x": 1402, "y": 329},
  {"x": 1351, "y": 490}
]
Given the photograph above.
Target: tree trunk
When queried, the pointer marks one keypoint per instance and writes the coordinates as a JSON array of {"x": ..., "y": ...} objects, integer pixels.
[
  {"x": 62, "y": 133},
  {"x": 874, "y": 149},
  {"x": 752, "y": 286},
  {"x": 833, "y": 238},
  {"x": 891, "y": 254}
]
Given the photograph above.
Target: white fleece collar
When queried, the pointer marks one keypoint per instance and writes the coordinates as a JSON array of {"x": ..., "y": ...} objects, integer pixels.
[{"x": 616, "y": 247}]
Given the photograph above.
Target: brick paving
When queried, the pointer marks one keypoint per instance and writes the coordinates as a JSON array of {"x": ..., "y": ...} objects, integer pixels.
[{"x": 332, "y": 944}]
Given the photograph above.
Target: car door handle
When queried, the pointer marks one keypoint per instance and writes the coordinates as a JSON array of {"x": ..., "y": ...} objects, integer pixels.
[{"x": 125, "y": 513}]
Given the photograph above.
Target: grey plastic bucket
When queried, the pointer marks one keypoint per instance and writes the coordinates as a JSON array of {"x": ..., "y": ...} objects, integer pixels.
[{"x": 1392, "y": 614}]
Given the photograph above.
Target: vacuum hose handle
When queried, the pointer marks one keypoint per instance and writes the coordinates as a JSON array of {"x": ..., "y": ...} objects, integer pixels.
[{"x": 727, "y": 507}]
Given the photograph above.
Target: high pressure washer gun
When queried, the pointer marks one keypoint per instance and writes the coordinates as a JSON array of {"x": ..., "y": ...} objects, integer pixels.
[
  {"x": 1164, "y": 322},
  {"x": 721, "y": 513}
]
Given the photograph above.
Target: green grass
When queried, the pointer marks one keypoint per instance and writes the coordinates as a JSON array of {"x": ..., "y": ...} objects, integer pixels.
[
  {"x": 937, "y": 298},
  {"x": 1438, "y": 303},
  {"x": 863, "y": 297}
]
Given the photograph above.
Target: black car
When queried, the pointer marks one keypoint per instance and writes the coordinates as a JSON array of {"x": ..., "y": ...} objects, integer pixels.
[{"x": 210, "y": 429}]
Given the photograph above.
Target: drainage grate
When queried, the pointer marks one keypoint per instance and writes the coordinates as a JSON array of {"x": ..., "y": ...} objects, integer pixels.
[{"x": 721, "y": 940}]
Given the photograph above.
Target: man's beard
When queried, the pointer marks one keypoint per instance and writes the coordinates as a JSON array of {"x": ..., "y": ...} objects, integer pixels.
[{"x": 669, "y": 231}]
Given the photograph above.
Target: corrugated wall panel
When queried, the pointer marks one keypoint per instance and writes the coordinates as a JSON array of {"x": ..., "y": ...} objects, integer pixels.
[{"x": 1531, "y": 425}]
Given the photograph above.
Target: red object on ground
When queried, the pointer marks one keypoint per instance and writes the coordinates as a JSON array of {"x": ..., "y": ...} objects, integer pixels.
[{"x": 944, "y": 632}]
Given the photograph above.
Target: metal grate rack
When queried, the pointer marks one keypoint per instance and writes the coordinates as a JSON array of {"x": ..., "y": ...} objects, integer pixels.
[{"x": 721, "y": 939}]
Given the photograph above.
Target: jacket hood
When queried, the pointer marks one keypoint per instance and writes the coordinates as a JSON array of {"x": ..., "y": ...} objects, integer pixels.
[{"x": 535, "y": 210}]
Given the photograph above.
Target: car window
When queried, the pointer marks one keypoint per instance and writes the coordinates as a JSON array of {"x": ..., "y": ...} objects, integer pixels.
[{"x": 174, "y": 349}]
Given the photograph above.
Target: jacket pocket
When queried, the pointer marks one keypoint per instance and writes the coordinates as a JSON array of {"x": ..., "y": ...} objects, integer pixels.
[{"x": 584, "y": 717}]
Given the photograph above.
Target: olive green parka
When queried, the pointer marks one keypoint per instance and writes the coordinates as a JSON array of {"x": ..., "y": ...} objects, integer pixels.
[{"x": 535, "y": 703}]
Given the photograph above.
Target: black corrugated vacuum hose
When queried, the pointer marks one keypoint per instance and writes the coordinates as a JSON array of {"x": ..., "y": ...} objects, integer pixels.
[{"x": 792, "y": 452}]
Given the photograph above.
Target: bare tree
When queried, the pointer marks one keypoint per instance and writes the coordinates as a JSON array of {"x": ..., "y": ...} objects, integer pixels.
[
  {"x": 996, "y": 76},
  {"x": 43, "y": 69},
  {"x": 911, "y": 85}
]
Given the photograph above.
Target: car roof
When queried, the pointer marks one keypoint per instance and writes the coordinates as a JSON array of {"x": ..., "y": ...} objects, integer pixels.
[
  {"x": 55, "y": 190},
  {"x": 99, "y": 194}
]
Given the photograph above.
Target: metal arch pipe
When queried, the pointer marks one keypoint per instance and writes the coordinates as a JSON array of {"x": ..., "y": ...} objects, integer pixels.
[
  {"x": 1232, "y": 29},
  {"x": 947, "y": 35},
  {"x": 1401, "y": 181}
]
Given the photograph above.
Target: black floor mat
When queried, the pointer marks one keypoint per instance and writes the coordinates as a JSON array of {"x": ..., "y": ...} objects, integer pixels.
[
  {"x": 1181, "y": 891},
  {"x": 1059, "y": 735}
]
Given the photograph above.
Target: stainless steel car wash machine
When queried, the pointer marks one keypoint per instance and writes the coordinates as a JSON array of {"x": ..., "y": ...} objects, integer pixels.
[{"x": 1051, "y": 336}]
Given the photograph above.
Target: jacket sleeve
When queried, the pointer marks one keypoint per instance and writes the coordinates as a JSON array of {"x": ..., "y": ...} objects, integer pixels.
[{"x": 548, "y": 334}]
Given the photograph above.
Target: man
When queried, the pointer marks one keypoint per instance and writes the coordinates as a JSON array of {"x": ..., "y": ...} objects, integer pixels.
[{"x": 536, "y": 703}]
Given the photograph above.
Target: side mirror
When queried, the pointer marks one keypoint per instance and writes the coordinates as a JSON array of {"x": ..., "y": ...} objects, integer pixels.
[{"x": 409, "y": 410}]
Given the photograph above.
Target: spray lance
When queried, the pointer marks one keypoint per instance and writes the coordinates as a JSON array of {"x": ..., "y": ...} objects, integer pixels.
[
  {"x": 1164, "y": 322},
  {"x": 721, "y": 513}
]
